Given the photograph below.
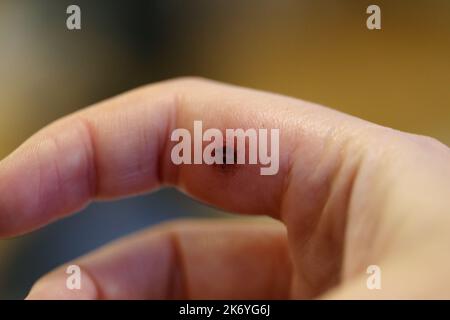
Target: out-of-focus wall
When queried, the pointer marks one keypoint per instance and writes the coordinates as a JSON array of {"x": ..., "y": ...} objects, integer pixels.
[{"x": 318, "y": 50}]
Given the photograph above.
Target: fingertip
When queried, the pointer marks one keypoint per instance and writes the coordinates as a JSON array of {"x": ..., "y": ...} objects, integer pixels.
[{"x": 59, "y": 285}]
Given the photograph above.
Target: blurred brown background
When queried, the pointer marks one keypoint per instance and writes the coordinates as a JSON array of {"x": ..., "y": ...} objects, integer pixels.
[{"x": 318, "y": 50}]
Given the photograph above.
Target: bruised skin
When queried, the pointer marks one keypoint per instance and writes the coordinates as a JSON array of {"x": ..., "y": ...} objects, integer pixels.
[{"x": 340, "y": 189}]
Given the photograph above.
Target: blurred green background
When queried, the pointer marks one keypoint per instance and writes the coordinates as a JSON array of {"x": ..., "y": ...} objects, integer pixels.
[{"x": 318, "y": 50}]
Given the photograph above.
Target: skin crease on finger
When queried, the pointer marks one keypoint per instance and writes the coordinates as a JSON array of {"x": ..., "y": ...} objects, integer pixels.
[{"x": 350, "y": 193}]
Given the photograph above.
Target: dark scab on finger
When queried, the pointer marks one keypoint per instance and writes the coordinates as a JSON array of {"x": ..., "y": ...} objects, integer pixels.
[{"x": 225, "y": 167}]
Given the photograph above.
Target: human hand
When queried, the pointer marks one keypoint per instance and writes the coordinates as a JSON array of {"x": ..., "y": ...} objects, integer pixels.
[{"x": 349, "y": 194}]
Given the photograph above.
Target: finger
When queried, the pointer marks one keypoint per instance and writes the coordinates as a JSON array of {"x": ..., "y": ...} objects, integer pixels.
[
  {"x": 122, "y": 146},
  {"x": 186, "y": 260}
]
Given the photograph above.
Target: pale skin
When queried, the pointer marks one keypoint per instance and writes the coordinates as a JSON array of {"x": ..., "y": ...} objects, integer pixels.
[{"x": 349, "y": 194}]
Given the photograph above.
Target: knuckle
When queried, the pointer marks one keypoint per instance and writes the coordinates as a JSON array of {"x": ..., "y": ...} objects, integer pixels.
[{"x": 430, "y": 142}]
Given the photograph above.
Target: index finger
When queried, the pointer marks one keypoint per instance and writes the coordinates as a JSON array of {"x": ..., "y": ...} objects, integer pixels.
[{"x": 122, "y": 147}]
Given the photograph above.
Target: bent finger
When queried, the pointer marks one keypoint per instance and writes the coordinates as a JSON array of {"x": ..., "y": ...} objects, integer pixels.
[
  {"x": 122, "y": 147},
  {"x": 185, "y": 260}
]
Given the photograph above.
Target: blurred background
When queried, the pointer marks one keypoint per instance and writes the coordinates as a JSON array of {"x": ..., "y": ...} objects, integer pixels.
[{"x": 318, "y": 50}]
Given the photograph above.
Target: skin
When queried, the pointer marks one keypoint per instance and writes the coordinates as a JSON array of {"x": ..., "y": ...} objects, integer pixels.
[{"x": 349, "y": 194}]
